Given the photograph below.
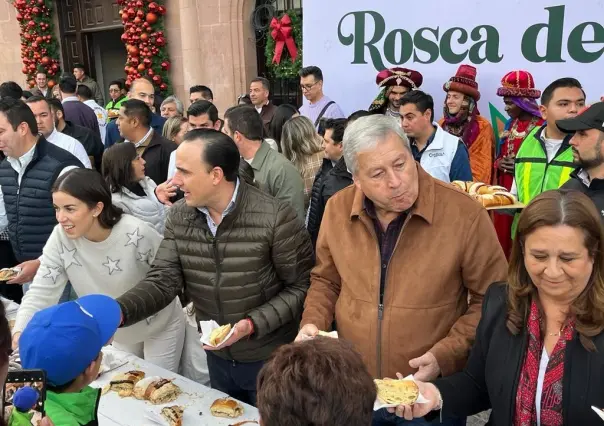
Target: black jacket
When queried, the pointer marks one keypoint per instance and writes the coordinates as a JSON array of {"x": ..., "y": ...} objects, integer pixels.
[
  {"x": 337, "y": 179},
  {"x": 595, "y": 190},
  {"x": 490, "y": 378},
  {"x": 314, "y": 220},
  {"x": 257, "y": 267},
  {"x": 92, "y": 142},
  {"x": 31, "y": 216},
  {"x": 157, "y": 156}
]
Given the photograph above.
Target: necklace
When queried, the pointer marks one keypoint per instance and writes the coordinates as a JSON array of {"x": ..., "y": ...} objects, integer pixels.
[{"x": 558, "y": 334}]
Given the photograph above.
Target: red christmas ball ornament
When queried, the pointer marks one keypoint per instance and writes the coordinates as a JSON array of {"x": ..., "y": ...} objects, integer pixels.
[
  {"x": 163, "y": 87},
  {"x": 153, "y": 6},
  {"x": 35, "y": 10},
  {"x": 151, "y": 18},
  {"x": 165, "y": 65},
  {"x": 125, "y": 16},
  {"x": 157, "y": 79},
  {"x": 51, "y": 83},
  {"x": 160, "y": 41},
  {"x": 40, "y": 2},
  {"x": 51, "y": 72},
  {"x": 55, "y": 67},
  {"x": 131, "y": 12},
  {"x": 134, "y": 61},
  {"x": 31, "y": 83},
  {"x": 139, "y": 3},
  {"x": 19, "y": 17},
  {"x": 45, "y": 60},
  {"x": 140, "y": 13},
  {"x": 127, "y": 69},
  {"x": 25, "y": 70},
  {"x": 141, "y": 67},
  {"x": 150, "y": 72},
  {"x": 133, "y": 51},
  {"x": 39, "y": 39},
  {"x": 31, "y": 24},
  {"x": 34, "y": 45},
  {"x": 144, "y": 37},
  {"x": 124, "y": 37},
  {"x": 161, "y": 10},
  {"x": 147, "y": 61}
]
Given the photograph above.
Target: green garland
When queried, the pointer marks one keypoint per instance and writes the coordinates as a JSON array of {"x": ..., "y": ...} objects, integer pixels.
[
  {"x": 286, "y": 68},
  {"x": 39, "y": 46}
]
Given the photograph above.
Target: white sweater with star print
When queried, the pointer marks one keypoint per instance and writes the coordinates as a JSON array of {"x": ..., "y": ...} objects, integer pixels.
[{"x": 111, "y": 267}]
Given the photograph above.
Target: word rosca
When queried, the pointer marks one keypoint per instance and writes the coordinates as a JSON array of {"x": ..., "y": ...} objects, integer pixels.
[{"x": 478, "y": 45}]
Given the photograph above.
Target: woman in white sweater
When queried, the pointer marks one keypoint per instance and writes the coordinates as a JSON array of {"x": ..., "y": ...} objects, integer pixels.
[
  {"x": 132, "y": 191},
  {"x": 100, "y": 250}
]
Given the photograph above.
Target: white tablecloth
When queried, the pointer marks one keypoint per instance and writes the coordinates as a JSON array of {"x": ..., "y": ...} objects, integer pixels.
[{"x": 116, "y": 411}]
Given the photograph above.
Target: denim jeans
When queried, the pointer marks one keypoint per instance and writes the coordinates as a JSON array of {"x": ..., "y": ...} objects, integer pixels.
[{"x": 384, "y": 418}]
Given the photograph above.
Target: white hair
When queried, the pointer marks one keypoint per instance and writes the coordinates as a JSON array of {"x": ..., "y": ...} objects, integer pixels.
[
  {"x": 365, "y": 133},
  {"x": 180, "y": 108}
]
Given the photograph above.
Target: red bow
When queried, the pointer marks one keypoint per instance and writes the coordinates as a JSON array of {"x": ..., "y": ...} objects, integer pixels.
[{"x": 282, "y": 33}]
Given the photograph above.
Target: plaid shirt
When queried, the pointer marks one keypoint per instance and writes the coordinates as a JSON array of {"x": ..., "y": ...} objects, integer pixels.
[
  {"x": 387, "y": 240},
  {"x": 309, "y": 171}
]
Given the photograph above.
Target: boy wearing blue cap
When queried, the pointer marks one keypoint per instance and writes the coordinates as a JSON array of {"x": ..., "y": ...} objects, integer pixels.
[
  {"x": 66, "y": 341},
  {"x": 24, "y": 400}
]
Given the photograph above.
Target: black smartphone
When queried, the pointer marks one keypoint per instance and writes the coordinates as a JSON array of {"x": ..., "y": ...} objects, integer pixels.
[{"x": 29, "y": 404}]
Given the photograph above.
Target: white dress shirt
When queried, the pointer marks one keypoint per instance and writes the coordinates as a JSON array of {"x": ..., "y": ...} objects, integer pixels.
[
  {"x": 71, "y": 145},
  {"x": 101, "y": 116}
]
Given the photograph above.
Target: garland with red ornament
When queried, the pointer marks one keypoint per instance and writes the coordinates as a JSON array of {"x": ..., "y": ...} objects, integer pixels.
[
  {"x": 39, "y": 47},
  {"x": 145, "y": 40}
]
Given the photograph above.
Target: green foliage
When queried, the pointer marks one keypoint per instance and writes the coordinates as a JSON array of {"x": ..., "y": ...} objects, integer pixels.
[{"x": 286, "y": 68}]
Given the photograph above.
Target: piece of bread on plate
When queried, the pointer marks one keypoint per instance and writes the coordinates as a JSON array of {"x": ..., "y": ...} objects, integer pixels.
[
  {"x": 226, "y": 407},
  {"x": 173, "y": 415},
  {"x": 124, "y": 383},
  {"x": 218, "y": 334},
  {"x": 162, "y": 392},
  {"x": 141, "y": 387},
  {"x": 399, "y": 392}
]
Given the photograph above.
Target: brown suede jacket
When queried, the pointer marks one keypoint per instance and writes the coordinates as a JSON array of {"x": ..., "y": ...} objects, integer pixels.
[{"x": 446, "y": 257}]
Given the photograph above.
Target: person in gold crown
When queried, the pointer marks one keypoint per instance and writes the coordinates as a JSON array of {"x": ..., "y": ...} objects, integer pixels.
[{"x": 393, "y": 84}]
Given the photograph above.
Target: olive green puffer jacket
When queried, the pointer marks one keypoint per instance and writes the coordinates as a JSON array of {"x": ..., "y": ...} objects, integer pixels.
[{"x": 257, "y": 267}]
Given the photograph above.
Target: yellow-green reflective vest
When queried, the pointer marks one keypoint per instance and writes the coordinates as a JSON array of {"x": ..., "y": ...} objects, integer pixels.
[{"x": 534, "y": 174}]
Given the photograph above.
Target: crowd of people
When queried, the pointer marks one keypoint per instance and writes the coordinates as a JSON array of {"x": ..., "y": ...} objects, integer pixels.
[{"x": 285, "y": 222}]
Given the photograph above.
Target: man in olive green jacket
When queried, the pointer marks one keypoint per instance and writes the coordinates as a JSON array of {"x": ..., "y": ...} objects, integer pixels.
[
  {"x": 275, "y": 174},
  {"x": 242, "y": 257}
]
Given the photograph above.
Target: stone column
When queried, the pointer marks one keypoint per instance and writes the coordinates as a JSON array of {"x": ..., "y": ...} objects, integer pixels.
[
  {"x": 218, "y": 48},
  {"x": 10, "y": 45}
]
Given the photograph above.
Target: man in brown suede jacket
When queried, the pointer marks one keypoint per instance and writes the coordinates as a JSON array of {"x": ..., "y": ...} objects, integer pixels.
[{"x": 403, "y": 260}]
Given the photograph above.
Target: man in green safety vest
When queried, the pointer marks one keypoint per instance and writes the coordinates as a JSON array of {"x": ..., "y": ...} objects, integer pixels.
[{"x": 545, "y": 158}]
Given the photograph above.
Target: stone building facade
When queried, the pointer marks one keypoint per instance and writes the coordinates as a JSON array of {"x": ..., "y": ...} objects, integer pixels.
[{"x": 211, "y": 42}]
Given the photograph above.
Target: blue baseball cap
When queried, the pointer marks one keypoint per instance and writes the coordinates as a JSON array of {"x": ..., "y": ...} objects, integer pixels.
[
  {"x": 64, "y": 339},
  {"x": 25, "y": 398}
]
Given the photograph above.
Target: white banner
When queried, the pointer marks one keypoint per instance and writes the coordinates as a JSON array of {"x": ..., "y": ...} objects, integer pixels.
[{"x": 352, "y": 40}]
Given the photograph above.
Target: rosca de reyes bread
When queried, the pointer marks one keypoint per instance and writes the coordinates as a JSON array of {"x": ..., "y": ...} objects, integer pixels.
[
  {"x": 487, "y": 195},
  {"x": 226, "y": 407},
  {"x": 400, "y": 392},
  {"x": 124, "y": 383},
  {"x": 173, "y": 415},
  {"x": 219, "y": 334}
]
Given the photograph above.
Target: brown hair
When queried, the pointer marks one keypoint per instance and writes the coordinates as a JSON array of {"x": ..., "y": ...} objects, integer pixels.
[
  {"x": 551, "y": 208},
  {"x": 320, "y": 382},
  {"x": 117, "y": 165}
]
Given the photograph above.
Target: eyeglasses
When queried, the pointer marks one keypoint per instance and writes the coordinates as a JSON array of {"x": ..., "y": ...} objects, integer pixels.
[{"x": 307, "y": 87}]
